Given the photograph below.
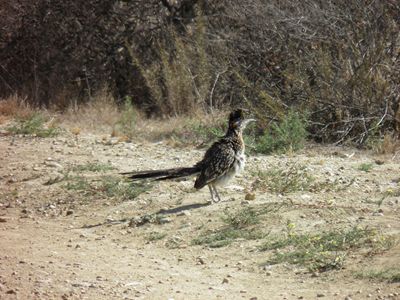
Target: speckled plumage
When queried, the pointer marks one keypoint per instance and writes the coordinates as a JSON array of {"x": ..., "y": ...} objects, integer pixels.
[
  {"x": 224, "y": 156},
  {"x": 222, "y": 161}
]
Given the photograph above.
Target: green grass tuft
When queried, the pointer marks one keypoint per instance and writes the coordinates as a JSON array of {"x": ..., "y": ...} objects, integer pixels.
[
  {"x": 390, "y": 275},
  {"x": 324, "y": 251},
  {"x": 93, "y": 167},
  {"x": 155, "y": 236},
  {"x": 366, "y": 167},
  {"x": 239, "y": 225},
  {"x": 115, "y": 187},
  {"x": 284, "y": 180},
  {"x": 77, "y": 183},
  {"x": 110, "y": 186},
  {"x": 34, "y": 125},
  {"x": 241, "y": 219}
]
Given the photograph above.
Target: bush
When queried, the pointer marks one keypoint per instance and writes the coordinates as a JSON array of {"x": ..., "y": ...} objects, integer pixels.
[
  {"x": 34, "y": 125},
  {"x": 175, "y": 57},
  {"x": 288, "y": 135},
  {"x": 127, "y": 122}
]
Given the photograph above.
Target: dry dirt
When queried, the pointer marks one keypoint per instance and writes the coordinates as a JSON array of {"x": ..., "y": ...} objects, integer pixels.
[{"x": 59, "y": 243}]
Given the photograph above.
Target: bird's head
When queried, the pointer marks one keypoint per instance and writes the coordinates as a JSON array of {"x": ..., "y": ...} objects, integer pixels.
[{"x": 237, "y": 120}]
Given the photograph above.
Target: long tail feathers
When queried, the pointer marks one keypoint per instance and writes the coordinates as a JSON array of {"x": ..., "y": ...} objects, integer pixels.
[{"x": 163, "y": 174}]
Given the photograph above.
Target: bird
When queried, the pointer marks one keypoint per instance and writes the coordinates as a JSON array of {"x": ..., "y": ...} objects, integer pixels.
[{"x": 221, "y": 162}]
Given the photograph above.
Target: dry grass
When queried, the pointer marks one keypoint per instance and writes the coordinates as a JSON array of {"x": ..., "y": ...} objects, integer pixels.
[
  {"x": 198, "y": 130},
  {"x": 99, "y": 115},
  {"x": 104, "y": 116},
  {"x": 14, "y": 107},
  {"x": 390, "y": 144}
]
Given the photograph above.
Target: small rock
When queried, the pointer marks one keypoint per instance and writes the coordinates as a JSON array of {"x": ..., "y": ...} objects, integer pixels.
[
  {"x": 268, "y": 273},
  {"x": 3, "y": 220},
  {"x": 250, "y": 196},
  {"x": 369, "y": 295},
  {"x": 184, "y": 213},
  {"x": 200, "y": 260},
  {"x": 378, "y": 214},
  {"x": 69, "y": 212},
  {"x": 347, "y": 298},
  {"x": 320, "y": 295},
  {"x": 13, "y": 292},
  {"x": 379, "y": 162},
  {"x": 25, "y": 211},
  {"x": 165, "y": 220},
  {"x": 54, "y": 179},
  {"x": 225, "y": 280}
]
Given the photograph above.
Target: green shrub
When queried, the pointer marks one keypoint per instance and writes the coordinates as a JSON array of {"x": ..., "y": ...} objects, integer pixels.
[
  {"x": 284, "y": 180},
  {"x": 326, "y": 250},
  {"x": 390, "y": 275},
  {"x": 127, "y": 122},
  {"x": 289, "y": 134},
  {"x": 366, "y": 167},
  {"x": 34, "y": 125}
]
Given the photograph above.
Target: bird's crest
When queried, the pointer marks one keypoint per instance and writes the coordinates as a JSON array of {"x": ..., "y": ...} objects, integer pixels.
[{"x": 236, "y": 115}]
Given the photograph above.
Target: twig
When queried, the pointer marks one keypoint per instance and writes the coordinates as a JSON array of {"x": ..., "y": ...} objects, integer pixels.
[{"x": 213, "y": 88}]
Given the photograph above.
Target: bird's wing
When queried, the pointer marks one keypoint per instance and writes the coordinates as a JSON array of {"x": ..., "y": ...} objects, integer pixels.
[{"x": 216, "y": 162}]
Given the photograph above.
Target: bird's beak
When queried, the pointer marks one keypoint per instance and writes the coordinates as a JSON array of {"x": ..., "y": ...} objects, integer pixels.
[{"x": 247, "y": 121}]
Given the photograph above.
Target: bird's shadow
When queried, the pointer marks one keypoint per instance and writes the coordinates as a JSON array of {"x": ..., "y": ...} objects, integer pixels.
[
  {"x": 171, "y": 211},
  {"x": 179, "y": 209}
]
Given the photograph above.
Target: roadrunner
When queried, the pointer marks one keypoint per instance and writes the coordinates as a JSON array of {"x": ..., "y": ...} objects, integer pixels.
[{"x": 222, "y": 161}]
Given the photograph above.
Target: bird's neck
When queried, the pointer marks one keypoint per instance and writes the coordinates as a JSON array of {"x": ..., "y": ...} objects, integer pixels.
[{"x": 237, "y": 136}]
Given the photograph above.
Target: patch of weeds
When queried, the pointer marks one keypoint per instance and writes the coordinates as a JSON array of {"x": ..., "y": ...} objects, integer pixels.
[
  {"x": 389, "y": 275},
  {"x": 116, "y": 187},
  {"x": 292, "y": 179},
  {"x": 155, "y": 236},
  {"x": 324, "y": 251},
  {"x": 288, "y": 135},
  {"x": 158, "y": 219},
  {"x": 387, "y": 144},
  {"x": 378, "y": 202},
  {"x": 392, "y": 192},
  {"x": 238, "y": 226},
  {"x": 77, "y": 183},
  {"x": 174, "y": 242},
  {"x": 93, "y": 167},
  {"x": 366, "y": 167},
  {"x": 241, "y": 219},
  {"x": 34, "y": 125},
  {"x": 111, "y": 186}
]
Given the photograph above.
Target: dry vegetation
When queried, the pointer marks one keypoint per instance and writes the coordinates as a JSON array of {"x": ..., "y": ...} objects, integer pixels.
[
  {"x": 336, "y": 62},
  {"x": 317, "y": 221}
]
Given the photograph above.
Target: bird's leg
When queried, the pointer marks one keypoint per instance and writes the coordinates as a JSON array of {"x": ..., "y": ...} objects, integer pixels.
[
  {"x": 211, "y": 192},
  {"x": 216, "y": 193}
]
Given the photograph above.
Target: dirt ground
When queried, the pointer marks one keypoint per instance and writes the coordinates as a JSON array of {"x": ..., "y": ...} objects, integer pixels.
[{"x": 68, "y": 243}]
